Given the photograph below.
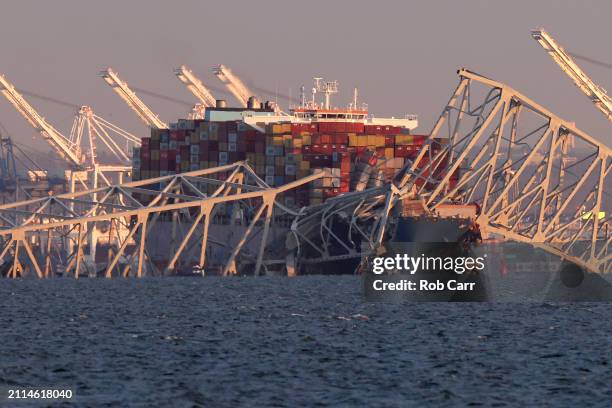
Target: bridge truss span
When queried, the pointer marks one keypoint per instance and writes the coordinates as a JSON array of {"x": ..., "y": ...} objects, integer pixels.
[
  {"x": 65, "y": 234},
  {"x": 535, "y": 177}
]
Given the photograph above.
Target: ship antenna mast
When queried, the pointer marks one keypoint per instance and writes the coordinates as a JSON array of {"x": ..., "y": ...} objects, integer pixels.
[
  {"x": 328, "y": 88},
  {"x": 302, "y": 96}
]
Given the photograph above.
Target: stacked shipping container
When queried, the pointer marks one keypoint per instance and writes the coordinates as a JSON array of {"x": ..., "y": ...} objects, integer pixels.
[{"x": 353, "y": 155}]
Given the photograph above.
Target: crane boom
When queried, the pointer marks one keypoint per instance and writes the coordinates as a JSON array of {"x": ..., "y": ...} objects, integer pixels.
[
  {"x": 67, "y": 149},
  {"x": 196, "y": 86},
  {"x": 121, "y": 88},
  {"x": 233, "y": 84},
  {"x": 595, "y": 93}
]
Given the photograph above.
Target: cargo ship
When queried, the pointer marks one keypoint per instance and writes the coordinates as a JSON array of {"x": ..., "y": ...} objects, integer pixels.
[{"x": 353, "y": 148}]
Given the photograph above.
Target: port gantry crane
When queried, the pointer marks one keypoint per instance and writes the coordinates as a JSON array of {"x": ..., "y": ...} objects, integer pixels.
[
  {"x": 233, "y": 84},
  {"x": 78, "y": 149},
  {"x": 133, "y": 101},
  {"x": 195, "y": 85},
  {"x": 595, "y": 93},
  {"x": 197, "y": 88}
]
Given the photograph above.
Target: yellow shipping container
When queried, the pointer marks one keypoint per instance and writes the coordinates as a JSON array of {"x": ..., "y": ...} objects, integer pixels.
[
  {"x": 306, "y": 139},
  {"x": 280, "y": 128},
  {"x": 380, "y": 141},
  {"x": 297, "y": 143},
  {"x": 277, "y": 140},
  {"x": 304, "y": 165},
  {"x": 404, "y": 139}
]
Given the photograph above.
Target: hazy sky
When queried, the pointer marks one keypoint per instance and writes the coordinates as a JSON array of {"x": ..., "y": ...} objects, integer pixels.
[{"x": 402, "y": 55}]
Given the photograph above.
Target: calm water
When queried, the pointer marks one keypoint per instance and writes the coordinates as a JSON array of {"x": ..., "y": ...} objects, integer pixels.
[{"x": 308, "y": 341}]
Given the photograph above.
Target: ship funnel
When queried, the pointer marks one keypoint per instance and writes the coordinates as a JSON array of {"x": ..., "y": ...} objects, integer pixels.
[{"x": 253, "y": 103}]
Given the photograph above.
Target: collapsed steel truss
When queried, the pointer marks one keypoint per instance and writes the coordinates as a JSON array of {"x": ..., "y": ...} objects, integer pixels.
[
  {"x": 532, "y": 177},
  {"x": 536, "y": 177},
  {"x": 60, "y": 234}
]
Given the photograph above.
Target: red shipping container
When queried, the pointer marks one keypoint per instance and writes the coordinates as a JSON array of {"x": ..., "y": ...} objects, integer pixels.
[
  {"x": 340, "y": 138},
  {"x": 401, "y": 151},
  {"x": 144, "y": 142},
  {"x": 231, "y": 126},
  {"x": 316, "y": 139},
  {"x": 260, "y": 147},
  {"x": 358, "y": 128},
  {"x": 248, "y": 135},
  {"x": 326, "y": 139},
  {"x": 391, "y": 130},
  {"x": 419, "y": 139},
  {"x": 178, "y": 135}
]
